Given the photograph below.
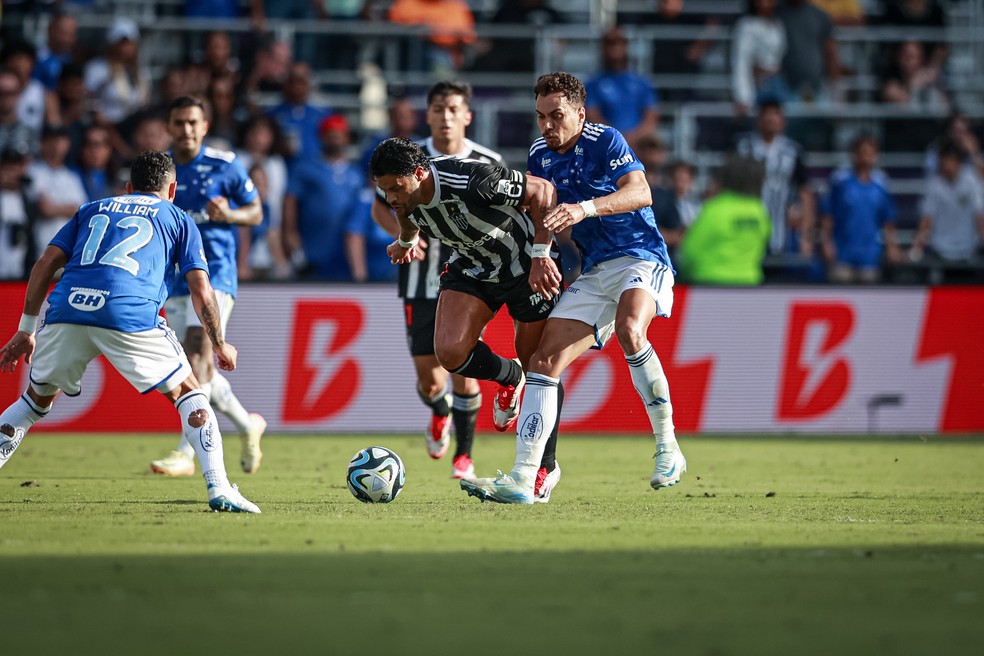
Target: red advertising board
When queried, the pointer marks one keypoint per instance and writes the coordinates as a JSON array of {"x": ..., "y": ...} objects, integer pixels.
[{"x": 814, "y": 360}]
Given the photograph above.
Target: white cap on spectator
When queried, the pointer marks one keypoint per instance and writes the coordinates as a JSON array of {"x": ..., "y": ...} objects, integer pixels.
[{"x": 123, "y": 28}]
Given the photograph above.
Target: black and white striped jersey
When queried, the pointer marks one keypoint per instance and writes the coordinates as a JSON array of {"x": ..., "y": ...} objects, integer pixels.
[
  {"x": 784, "y": 175},
  {"x": 422, "y": 279},
  {"x": 475, "y": 211}
]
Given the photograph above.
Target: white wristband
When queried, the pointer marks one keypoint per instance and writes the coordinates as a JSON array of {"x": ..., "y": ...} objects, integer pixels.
[
  {"x": 408, "y": 244},
  {"x": 589, "y": 208},
  {"x": 541, "y": 250},
  {"x": 28, "y": 324}
]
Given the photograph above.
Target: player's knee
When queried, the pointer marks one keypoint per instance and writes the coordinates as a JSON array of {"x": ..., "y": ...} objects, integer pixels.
[
  {"x": 631, "y": 334},
  {"x": 194, "y": 342},
  {"x": 452, "y": 356},
  {"x": 430, "y": 389}
]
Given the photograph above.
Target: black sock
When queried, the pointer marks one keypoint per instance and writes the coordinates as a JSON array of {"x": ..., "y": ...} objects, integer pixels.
[
  {"x": 549, "y": 459},
  {"x": 464, "y": 414},
  {"x": 483, "y": 364},
  {"x": 438, "y": 404}
]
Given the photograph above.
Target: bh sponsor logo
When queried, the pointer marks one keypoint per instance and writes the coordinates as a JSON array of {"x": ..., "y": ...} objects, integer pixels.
[
  {"x": 532, "y": 429},
  {"x": 87, "y": 300}
]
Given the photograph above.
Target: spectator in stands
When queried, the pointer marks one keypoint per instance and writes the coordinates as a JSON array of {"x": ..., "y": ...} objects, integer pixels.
[
  {"x": 951, "y": 225},
  {"x": 688, "y": 203},
  {"x": 844, "y": 13},
  {"x": 858, "y": 210},
  {"x": 918, "y": 14},
  {"x": 728, "y": 241},
  {"x": 510, "y": 54},
  {"x": 263, "y": 148},
  {"x": 255, "y": 255},
  {"x": 651, "y": 153},
  {"x": 786, "y": 191},
  {"x": 16, "y": 215},
  {"x": 959, "y": 131},
  {"x": 402, "y": 123},
  {"x": 96, "y": 169},
  {"x": 58, "y": 189},
  {"x": 758, "y": 44},
  {"x": 150, "y": 133},
  {"x": 811, "y": 66},
  {"x": 619, "y": 97},
  {"x": 58, "y": 51},
  {"x": 451, "y": 25},
  {"x": 217, "y": 59},
  {"x": 117, "y": 82},
  {"x": 912, "y": 82},
  {"x": 225, "y": 121},
  {"x": 299, "y": 120},
  {"x": 269, "y": 73},
  {"x": 19, "y": 57},
  {"x": 14, "y": 135},
  {"x": 365, "y": 245},
  {"x": 70, "y": 107},
  {"x": 322, "y": 194},
  {"x": 677, "y": 56}
]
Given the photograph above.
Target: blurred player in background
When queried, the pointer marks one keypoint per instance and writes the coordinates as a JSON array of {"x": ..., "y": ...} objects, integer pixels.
[
  {"x": 117, "y": 255},
  {"x": 448, "y": 116},
  {"x": 214, "y": 188},
  {"x": 626, "y": 280},
  {"x": 475, "y": 209}
]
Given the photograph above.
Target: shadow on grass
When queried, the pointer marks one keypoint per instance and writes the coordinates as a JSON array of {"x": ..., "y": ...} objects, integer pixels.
[{"x": 726, "y": 601}]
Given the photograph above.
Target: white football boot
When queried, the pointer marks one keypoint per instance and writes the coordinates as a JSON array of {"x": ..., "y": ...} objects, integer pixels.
[
  {"x": 176, "y": 463},
  {"x": 670, "y": 464},
  {"x": 501, "y": 489},
  {"x": 228, "y": 499},
  {"x": 545, "y": 483},
  {"x": 252, "y": 456}
]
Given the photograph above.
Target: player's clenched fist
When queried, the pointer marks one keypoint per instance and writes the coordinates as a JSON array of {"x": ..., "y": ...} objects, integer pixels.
[
  {"x": 226, "y": 355},
  {"x": 563, "y": 216}
]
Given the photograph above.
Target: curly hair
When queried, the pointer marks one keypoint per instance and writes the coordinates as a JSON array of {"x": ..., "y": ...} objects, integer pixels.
[
  {"x": 397, "y": 156},
  {"x": 564, "y": 83},
  {"x": 151, "y": 171}
]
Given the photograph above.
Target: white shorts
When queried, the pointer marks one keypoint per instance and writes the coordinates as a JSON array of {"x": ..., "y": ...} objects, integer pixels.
[
  {"x": 152, "y": 359},
  {"x": 593, "y": 297},
  {"x": 181, "y": 313}
]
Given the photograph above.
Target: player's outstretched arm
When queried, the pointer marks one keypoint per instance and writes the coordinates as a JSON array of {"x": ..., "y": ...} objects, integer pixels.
[
  {"x": 22, "y": 343},
  {"x": 541, "y": 197},
  {"x": 207, "y": 308},
  {"x": 633, "y": 193}
]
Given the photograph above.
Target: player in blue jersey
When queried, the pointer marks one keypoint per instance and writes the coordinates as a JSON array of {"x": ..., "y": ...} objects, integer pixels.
[
  {"x": 626, "y": 280},
  {"x": 117, "y": 254},
  {"x": 214, "y": 188}
]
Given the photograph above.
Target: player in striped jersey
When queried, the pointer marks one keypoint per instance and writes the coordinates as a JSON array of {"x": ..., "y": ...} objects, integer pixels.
[
  {"x": 448, "y": 116},
  {"x": 626, "y": 280},
  {"x": 475, "y": 209}
]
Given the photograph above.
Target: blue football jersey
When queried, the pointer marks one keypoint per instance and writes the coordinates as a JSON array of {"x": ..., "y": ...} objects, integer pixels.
[
  {"x": 214, "y": 173},
  {"x": 121, "y": 253},
  {"x": 591, "y": 169}
]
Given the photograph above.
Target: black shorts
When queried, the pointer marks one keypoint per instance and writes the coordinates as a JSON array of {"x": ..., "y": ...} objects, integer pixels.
[
  {"x": 418, "y": 314},
  {"x": 524, "y": 304}
]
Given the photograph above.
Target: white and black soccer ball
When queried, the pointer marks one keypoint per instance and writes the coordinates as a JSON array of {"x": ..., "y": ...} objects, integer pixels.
[{"x": 375, "y": 475}]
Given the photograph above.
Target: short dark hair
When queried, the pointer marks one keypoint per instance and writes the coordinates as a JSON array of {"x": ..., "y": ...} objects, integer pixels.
[
  {"x": 769, "y": 102},
  {"x": 397, "y": 156},
  {"x": 862, "y": 139},
  {"x": 950, "y": 148},
  {"x": 742, "y": 175},
  {"x": 151, "y": 171},
  {"x": 184, "y": 102},
  {"x": 564, "y": 83},
  {"x": 450, "y": 88},
  {"x": 17, "y": 46}
]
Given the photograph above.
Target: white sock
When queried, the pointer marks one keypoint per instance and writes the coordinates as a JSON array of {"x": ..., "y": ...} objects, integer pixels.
[
  {"x": 201, "y": 430},
  {"x": 650, "y": 383},
  {"x": 184, "y": 446},
  {"x": 15, "y": 421},
  {"x": 223, "y": 400},
  {"x": 536, "y": 421}
]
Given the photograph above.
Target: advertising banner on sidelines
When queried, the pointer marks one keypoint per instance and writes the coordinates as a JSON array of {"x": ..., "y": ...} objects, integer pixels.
[{"x": 333, "y": 358}]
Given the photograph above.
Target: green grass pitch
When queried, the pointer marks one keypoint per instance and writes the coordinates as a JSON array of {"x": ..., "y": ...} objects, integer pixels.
[{"x": 768, "y": 546}]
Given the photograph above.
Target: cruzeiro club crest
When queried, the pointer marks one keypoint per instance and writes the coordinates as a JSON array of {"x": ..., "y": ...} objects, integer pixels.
[{"x": 457, "y": 216}]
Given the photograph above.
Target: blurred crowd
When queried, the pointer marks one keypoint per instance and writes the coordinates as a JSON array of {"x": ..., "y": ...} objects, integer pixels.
[{"x": 74, "y": 113}]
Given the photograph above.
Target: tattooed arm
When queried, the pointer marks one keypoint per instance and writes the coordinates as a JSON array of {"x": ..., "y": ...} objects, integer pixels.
[{"x": 207, "y": 308}]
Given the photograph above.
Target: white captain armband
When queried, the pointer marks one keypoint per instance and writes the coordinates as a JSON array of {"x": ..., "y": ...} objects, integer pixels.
[{"x": 541, "y": 250}]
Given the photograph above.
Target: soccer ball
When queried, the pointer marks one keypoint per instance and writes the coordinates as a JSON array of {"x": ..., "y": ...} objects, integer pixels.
[{"x": 375, "y": 475}]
